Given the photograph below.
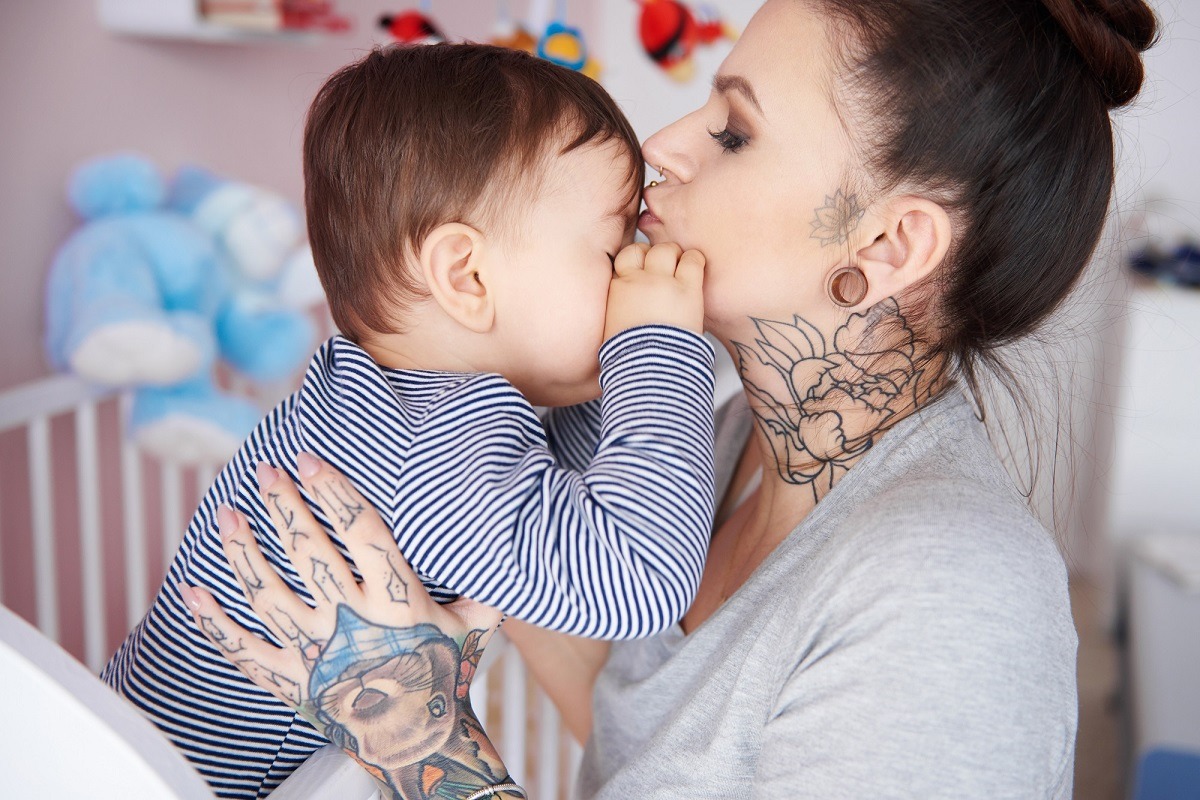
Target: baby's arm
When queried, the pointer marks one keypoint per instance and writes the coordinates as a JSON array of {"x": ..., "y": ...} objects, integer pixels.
[
  {"x": 636, "y": 297},
  {"x": 615, "y": 551}
]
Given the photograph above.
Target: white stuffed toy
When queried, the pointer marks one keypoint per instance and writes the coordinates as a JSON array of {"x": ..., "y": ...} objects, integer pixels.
[{"x": 160, "y": 281}]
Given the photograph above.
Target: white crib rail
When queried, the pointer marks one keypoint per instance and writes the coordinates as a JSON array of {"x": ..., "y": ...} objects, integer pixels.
[
  {"x": 518, "y": 715},
  {"x": 32, "y": 406}
]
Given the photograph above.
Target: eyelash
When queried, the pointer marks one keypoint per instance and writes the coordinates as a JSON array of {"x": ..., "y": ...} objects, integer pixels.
[{"x": 729, "y": 141}]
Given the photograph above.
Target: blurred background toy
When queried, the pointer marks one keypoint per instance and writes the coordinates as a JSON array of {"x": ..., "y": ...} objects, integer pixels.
[
  {"x": 415, "y": 26},
  {"x": 1162, "y": 245},
  {"x": 563, "y": 44},
  {"x": 162, "y": 281},
  {"x": 670, "y": 31},
  {"x": 510, "y": 33}
]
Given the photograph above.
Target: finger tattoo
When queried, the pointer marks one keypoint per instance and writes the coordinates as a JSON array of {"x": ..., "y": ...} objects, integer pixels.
[
  {"x": 219, "y": 637},
  {"x": 310, "y": 648},
  {"x": 289, "y": 518},
  {"x": 397, "y": 587},
  {"x": 325, "y": 581},
  {"x": 341, "y": 500},
  {"x": 284, "y": 685},
  {"x": 245, "y": 571}
]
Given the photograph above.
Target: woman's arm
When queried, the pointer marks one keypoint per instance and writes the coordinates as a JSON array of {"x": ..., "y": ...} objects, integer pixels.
[
  {"x": 566, "y": 668},
  {"x": 378, "y": 667}
]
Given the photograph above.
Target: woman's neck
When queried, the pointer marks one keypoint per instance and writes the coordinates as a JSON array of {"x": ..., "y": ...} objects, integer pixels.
[{"x": 820, "y": 404}]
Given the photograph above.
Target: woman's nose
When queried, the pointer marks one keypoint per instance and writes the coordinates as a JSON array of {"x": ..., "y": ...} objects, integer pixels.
[{"x": 667, "y": 151}]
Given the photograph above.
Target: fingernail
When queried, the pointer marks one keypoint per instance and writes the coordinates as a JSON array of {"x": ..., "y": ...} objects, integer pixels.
[
  {"x": 306, "y": 465},
  {"x": 266, "y": 475},
  {"x": 190, "y": 598},
  {"x": 226, "y": 520}
]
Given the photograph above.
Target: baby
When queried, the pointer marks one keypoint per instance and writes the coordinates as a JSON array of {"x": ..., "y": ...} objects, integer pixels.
[{"x": 468, "y": 207}]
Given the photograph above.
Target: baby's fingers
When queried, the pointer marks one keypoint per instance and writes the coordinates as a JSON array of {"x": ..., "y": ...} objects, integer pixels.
[
  {"x": 663, "y": 258},
  {"x": 631, "y": 259},
  {"x": 690, "y": 271},
  {"x": 277, "y": 671}
]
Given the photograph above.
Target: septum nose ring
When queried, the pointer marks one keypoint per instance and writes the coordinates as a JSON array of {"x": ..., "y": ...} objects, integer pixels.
[{"x": 660, "y": 172}]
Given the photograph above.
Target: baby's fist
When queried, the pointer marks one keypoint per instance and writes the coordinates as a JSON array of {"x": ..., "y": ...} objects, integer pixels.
[{"x": 659, "y": 285}]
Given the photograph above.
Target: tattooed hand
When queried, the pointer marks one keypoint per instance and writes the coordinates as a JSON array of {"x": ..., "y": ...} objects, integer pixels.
[
  {"x": 378, "y": 667},
  {"x": 660, "y": 285}
]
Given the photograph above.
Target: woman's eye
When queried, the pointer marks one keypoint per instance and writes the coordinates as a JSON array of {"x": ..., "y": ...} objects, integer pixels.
[{"x": 729, "y": 141}]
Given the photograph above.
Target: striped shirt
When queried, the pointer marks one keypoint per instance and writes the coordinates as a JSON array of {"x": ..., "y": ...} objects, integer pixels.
[{"x": 596, "y": 524}]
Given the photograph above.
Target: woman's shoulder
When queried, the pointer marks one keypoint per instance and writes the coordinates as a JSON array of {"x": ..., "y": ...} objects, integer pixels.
[
  {"x": 950, "y": 537},
  {"x": 938, "y": 541}
]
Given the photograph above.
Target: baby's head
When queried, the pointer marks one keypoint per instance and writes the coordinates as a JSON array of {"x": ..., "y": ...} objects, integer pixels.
[{"x": 464, "y": 203}]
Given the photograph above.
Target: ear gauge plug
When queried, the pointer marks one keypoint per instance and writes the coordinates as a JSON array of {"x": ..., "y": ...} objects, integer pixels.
[{"x": 847, "y": 287}]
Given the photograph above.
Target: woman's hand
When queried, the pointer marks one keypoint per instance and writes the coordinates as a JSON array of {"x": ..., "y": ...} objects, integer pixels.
[{"x": 378, "y": 667}]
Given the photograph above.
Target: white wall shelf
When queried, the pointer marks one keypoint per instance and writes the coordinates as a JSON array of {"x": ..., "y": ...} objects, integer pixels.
[{"x": 181, "y": 20}]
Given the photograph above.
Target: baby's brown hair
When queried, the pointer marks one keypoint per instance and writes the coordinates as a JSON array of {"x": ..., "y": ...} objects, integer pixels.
[{"x": 409, "y": 138}]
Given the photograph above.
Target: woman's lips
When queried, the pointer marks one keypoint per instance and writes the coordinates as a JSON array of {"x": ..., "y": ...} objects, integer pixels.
[{"x": 648, "y": 219}]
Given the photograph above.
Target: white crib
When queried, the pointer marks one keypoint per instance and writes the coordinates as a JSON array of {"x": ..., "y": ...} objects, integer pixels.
[{"x": 88, "y": 525}]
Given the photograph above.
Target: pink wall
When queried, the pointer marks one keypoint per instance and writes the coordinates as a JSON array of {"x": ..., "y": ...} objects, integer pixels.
[{"x": 70, "y": 90}]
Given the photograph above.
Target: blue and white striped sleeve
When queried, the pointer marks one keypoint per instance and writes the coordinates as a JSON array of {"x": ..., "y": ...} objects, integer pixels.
[
  {"x": 572, "y": 433},
  {"x": 613, "y": 552}
]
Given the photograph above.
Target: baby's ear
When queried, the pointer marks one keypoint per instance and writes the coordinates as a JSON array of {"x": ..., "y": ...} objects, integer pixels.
[{"x": 451, "y": 262}]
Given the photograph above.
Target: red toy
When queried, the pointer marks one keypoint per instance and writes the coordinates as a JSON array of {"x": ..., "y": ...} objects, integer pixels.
[
  {"x": 670, "y": 31},
  {"x": 411, "y": 27},
  {"x": 313, "y": 15}
]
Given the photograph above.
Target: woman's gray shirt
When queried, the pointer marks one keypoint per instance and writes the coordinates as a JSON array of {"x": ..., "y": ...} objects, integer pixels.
[{"x": 911, "y": 638}]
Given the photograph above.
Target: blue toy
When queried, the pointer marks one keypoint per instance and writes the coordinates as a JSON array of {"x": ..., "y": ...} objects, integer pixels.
[{"x": 162, "y": 280}]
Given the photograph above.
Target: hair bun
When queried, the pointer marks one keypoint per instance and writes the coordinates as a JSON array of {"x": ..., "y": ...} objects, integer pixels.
[{"x": 1110, "y": 35}]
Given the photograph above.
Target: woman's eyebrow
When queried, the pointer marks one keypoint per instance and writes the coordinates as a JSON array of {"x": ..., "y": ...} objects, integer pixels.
[{"x": 736, "y": 83}]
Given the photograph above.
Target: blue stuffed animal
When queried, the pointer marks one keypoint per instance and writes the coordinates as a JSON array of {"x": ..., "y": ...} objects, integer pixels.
[{"x": 161, "y": 281}]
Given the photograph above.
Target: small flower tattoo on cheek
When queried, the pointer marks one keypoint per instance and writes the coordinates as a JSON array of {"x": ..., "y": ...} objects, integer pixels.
[{"x": 836, "y": 220}]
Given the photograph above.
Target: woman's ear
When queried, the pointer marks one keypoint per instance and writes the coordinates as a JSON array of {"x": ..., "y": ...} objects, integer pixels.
[
  {"x": 913, "y": 239},
  {"x": 453, "y": 265}
]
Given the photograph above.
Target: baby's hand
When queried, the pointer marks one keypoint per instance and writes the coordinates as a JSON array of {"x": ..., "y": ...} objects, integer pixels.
[{"x": 659, "y": 285}]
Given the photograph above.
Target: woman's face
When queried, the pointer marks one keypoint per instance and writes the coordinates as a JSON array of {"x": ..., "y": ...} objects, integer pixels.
[{"x": 755, "y": 179}]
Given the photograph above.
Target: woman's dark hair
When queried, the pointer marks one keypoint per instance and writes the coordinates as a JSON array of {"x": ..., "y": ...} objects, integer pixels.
[{"x": 1000, "y": 109}]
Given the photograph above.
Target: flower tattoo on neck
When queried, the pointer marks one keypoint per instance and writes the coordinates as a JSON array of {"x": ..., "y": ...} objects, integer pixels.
[{"x": 822, "y": 407}]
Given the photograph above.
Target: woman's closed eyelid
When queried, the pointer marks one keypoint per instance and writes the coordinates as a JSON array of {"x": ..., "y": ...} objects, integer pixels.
[{"x": 728, "y": 139}]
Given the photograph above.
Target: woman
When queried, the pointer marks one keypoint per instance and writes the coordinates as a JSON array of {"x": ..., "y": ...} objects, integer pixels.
[{"x": 885, "y": 193}]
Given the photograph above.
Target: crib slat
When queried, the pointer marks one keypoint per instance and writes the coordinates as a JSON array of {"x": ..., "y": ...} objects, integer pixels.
[
  {"x": 574, "y": 756},
  {"x": 90, "y": 554},
  {"x": 1, "y": 558},
  {"x": 479, "y": 698},
  {"x": 134, "y": 518},
  {"x": 45, "y": 573},
  {"x": 205, "y": 475},
  {"x": 549, "y": 743},
  {"x": 515, "y": 711},
  {"x": 172, "y": 515}
]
